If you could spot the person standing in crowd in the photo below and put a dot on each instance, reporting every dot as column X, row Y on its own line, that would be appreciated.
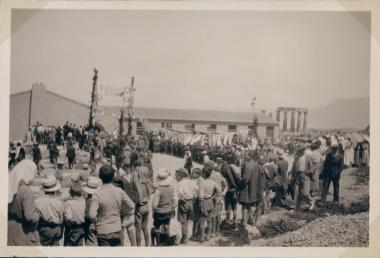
column 252, row 189
column 196, row 180
column 12, row 155
column 300, row 171
column 185, row 189
column 316, row 166
column 22, row 214
column 36, row 151
column 164, row 204
column 205, row 157
column 208, row 191
column 231, row 196
column 108, row 207
column 188, row 162
column 332, row 169
column 28, row 140
column 74, row 217
column 138, row 185
column 51, row 209
column 90, row 188
column 53, row 153
column 217, row 210
column 70, row 154
column 20, row 152
column 272, row 179
column 282, row 188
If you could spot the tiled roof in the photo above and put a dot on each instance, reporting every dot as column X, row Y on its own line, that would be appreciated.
column 193, row 115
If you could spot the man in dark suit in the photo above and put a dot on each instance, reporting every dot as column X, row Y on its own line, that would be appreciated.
column 252, row 188
column 332, row 168
column 282, row 188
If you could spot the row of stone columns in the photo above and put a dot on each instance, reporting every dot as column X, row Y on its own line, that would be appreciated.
column 294, row 127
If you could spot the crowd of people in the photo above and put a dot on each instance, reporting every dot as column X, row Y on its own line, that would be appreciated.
column 122, row 189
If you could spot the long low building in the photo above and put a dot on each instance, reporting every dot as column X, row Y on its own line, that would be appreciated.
column 40, row 105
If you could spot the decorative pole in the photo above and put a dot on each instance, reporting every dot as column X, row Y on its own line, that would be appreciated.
column 93, row 100
column 131, row 100
column 255, row 121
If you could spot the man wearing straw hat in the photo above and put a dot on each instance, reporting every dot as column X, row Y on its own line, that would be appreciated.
column 51, row 212
column 301, row 170
column 91, row 187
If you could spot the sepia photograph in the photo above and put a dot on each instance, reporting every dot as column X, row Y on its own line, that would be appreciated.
column 189, row 128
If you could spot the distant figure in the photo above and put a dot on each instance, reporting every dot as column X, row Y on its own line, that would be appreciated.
column 20, row 152
column 36, row 151
column 188, row 162
column 70, row 154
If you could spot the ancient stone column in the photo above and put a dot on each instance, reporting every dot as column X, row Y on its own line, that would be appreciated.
column 292, row 121
column 299, row 121
column 305, row 120
column 285, row 122
column 278, row 115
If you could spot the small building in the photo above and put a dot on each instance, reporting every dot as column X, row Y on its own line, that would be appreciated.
column 40, row 105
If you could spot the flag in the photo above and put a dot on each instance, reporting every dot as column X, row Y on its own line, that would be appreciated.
column 111, row 91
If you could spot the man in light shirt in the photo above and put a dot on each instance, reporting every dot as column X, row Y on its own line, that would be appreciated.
column 186, row 189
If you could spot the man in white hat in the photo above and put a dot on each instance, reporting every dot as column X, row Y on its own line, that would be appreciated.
column 164, row 204
column 91, row 187
column 51, row 211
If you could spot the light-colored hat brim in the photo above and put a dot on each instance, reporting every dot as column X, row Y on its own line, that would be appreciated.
column 52, row 189
column 90, row 190
column 164, row 182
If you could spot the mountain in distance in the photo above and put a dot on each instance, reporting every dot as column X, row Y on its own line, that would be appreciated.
column 341, row 114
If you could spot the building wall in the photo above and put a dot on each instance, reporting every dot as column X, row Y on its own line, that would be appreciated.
column 19, row 115
column 52, row 109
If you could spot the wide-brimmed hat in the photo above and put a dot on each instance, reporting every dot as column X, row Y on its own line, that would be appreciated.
column 91, row 185
column 163, row 178
column 50, row 184
column 280, row 152
column 76, row 189
column 85, row 166
column 204, row 152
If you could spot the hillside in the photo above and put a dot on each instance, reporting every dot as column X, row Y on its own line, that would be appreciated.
column 341, row 113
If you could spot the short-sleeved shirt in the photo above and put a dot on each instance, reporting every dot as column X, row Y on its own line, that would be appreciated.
column 75, row 210
column 107, row 207
column 51, row 209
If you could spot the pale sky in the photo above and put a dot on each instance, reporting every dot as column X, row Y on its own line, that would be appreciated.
column 195, row 59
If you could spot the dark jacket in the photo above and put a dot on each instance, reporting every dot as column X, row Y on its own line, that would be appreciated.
column 231, row 177
column 283, row 172
column 252, row 183
column 333, row 164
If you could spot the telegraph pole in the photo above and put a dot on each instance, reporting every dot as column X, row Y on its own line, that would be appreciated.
column 131, row 100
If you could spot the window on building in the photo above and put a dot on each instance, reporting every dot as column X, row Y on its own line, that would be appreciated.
column 232, row 128
column 189, row 127
column 211, row 127
column 270, row 131
column 139, row 125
